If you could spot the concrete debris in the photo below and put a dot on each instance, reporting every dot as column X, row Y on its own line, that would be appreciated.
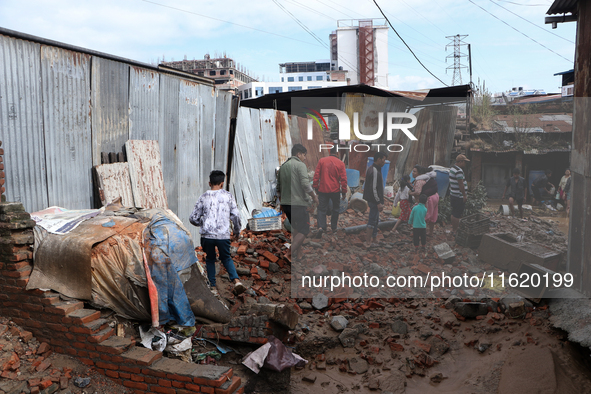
column 444, row 252
column 320, row 301
column 339, row 323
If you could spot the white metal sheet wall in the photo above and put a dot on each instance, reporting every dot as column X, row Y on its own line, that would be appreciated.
column 110, row 103
column 21, row 127
column 189, row 179
column 66, row 105
column 168, row 125
column 144, row 97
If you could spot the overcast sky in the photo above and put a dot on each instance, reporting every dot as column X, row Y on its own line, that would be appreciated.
column 260, row 34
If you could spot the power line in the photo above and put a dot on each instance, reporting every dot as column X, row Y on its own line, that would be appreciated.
column 303, row 26
column 519, row 31
column 231, row 23
column 421, row 63
column 525, row 5
column 530, row 22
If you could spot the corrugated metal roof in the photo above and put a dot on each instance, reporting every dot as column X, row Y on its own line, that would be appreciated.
column 532, row 123
column 66, row 105
column 565, row 72
column 562, row 7
column 21, row 123
column 538, row 99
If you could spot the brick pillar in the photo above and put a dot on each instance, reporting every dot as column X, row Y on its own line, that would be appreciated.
column 2, row 175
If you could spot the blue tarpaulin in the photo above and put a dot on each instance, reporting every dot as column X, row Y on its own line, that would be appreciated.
column 169, row 250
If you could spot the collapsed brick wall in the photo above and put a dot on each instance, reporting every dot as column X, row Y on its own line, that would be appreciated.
column 72, row 329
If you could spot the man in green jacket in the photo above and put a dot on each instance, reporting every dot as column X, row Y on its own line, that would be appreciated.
column 293, row 189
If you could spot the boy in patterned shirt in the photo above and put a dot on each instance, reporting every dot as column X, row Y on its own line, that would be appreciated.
column 213, row 212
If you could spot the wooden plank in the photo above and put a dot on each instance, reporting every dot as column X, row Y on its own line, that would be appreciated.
column 145, row 171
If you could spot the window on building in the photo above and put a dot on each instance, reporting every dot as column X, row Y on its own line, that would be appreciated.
column 200, row 73
column 245, row 92
column 294, row 88
column 282, row 79
column 328, row 78
column 258, row 91
column 319, row 77
column 249, row 92
column 314, row 87
column 222, row 72
column 231, row 72
column 290, row 79
column 309, row 78
column 212, row 72
column 275, row 89
column 300, row 79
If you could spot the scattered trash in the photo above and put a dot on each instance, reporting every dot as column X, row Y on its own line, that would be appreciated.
column 153, row 338
column 273, row 355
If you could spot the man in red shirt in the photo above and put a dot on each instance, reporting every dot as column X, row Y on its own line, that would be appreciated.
column 330, row 182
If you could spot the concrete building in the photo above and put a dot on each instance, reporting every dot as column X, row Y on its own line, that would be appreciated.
column 224, row 71
column 258, row 89
column 361, row 47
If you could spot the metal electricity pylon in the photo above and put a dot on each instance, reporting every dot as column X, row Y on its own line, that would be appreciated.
column 457, row 42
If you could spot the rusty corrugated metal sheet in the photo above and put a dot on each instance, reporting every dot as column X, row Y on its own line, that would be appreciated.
column 298, row 128
column 284, row 143
column 110, row 103
column 145, row 172
column 66, row 121
column 435, row 131
column 21, row 123
column 114, row 182
column 144, row 97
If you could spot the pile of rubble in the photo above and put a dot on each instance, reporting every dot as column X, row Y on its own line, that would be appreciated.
column 28, row 366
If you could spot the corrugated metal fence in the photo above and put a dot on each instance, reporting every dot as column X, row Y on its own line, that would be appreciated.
column 59, row 109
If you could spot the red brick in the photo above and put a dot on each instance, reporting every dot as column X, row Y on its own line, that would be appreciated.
column 193, row 387
column 45, row 384
column 113, row 367
column 164, row 383
column 236, row 381
column 207, row 382
column 142, row 356
column 150, row 380
column 178, row 385
column 396, row 347
column 101, row 336
column 125, row 375
column 86, row 361
column 135, row 385
column 164, row 390
column 64, row 308
column 137, row 378
column 208, row 390
column 35, row 390
column 112, row 374
column 270, row 256
column 182, row 378
column 132, row 369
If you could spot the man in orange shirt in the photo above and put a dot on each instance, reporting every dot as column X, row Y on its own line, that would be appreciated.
column 330, row 182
